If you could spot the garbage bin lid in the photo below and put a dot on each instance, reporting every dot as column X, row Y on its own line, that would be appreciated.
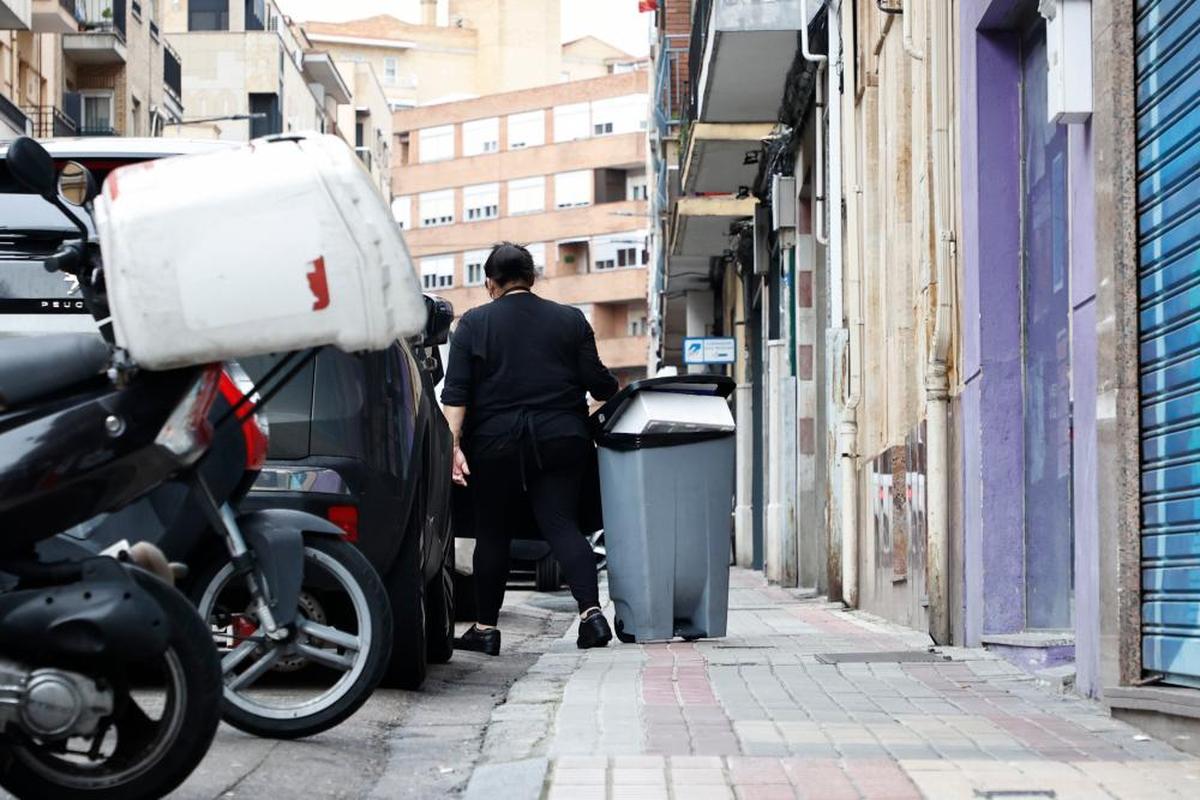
column 703, row 385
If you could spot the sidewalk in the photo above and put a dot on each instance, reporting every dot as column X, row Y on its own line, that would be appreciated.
column 760, row 715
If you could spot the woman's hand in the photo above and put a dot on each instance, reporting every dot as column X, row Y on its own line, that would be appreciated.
column 459, row 470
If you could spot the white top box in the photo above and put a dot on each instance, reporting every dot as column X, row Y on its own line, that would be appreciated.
column 672, row 412
column 277, row 246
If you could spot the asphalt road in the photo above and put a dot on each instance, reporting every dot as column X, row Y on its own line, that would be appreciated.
column 400, row 744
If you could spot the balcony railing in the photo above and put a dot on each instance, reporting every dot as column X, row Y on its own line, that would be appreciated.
column 98, row 130
column 13, row 115
column 172, row 71
column 670, row 84
column 104, row 16
column 702, row 16
column 364, row 153
column 51, row 121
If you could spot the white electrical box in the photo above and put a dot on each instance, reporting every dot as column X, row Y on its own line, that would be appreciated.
column 783, row 202
column 1069, row 59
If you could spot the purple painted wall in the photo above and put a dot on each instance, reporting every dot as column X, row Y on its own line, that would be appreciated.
column 1083, row 375
column 992, row 434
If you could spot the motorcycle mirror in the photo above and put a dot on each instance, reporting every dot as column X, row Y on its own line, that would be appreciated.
column 76, row 184
column 33, row 167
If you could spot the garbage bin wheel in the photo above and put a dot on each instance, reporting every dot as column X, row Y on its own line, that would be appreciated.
column 693, row 637
column 547, row 574
column 622, row 636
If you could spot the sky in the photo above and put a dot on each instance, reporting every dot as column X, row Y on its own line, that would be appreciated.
column 616, row 21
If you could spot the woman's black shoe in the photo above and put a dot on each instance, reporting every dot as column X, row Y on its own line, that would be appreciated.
column 480, row 641
column 594, row 631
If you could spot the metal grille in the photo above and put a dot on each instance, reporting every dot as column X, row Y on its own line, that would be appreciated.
column 1168, row 197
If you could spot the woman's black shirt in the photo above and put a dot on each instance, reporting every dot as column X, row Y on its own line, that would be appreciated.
column 521, row 365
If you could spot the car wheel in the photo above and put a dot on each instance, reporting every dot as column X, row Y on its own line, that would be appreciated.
column 406, row 589
column 548, row 575
column 439, row 611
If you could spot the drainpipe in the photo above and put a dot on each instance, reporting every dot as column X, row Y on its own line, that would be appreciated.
column 819, row 192
column 937, row 386
column 906, row 28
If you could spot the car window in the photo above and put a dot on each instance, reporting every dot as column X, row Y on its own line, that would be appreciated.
column 289, row 412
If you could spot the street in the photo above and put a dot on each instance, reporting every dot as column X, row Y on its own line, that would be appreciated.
column 759, row 714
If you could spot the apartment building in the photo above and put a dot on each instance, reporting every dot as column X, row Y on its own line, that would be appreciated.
column 88, row 68
column 560, row 169
column 252, row 73
column 468, row 48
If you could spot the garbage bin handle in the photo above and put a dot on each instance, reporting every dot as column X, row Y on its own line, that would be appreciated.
column 625, row 442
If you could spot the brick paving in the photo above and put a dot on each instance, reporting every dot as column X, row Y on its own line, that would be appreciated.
column 758, row 715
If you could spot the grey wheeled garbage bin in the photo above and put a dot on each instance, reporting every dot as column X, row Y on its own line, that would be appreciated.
column 667, row 483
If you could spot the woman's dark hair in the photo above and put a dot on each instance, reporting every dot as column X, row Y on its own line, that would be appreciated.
column 510, row 263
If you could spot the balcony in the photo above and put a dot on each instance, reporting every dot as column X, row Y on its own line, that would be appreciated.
column 670, row 85
column 13, row 117
column 15, row 15
column 723, row 158
column 319, row 69
column 51, row 122
column 364, row 155
column 102, row 40
column 56, row 16
column 702, row 224
column 173, row 76
column 740, row 55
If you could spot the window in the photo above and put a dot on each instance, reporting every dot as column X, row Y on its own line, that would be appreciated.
column 526, row 130
column 637, row 323
column 437, row 208
column 526, row 196
column 98, row 113
column 473, row 266
column 571, row 122
column 637, row 187
column 620, row 251
column 481, row 136
column 538, row 251
column 436, row 144
column 402, row 212
column 265, row 117
column 626, row 114
column 208, row 15
column 573, row 189
column 390, row 71
column 437, row 272
column 481, row 202
column 587, row 309
column 256, row 15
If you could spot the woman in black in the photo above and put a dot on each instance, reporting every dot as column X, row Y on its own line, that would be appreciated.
column 515, row 398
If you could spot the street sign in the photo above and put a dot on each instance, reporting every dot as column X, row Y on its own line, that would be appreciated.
column 709, row 350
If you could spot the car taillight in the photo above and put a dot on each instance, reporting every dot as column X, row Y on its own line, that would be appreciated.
column 255, row 431
column 346, row 518
column 188, row 432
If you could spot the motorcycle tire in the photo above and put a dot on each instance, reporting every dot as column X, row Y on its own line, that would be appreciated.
column 194, row 708
column 342, row 562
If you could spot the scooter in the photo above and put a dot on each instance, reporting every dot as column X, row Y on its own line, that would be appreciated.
column 282, row 591
column 109, row 682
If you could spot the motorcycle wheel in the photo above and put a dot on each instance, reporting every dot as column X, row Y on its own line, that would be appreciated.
column 165, row 717
column 329, row 666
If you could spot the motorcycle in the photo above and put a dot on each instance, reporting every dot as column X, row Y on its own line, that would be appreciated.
column 283, row 592
column 109, row 682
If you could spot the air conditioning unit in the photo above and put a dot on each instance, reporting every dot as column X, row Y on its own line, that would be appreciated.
column 783, row 202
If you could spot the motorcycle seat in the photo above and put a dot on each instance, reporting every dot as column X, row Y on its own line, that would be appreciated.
column 32, row 367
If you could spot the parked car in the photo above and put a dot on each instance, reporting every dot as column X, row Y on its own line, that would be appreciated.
column 358, row 439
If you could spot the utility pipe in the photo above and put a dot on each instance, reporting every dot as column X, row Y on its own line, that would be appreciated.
column 819, row 182
column 937, row 386
column 906, row 27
